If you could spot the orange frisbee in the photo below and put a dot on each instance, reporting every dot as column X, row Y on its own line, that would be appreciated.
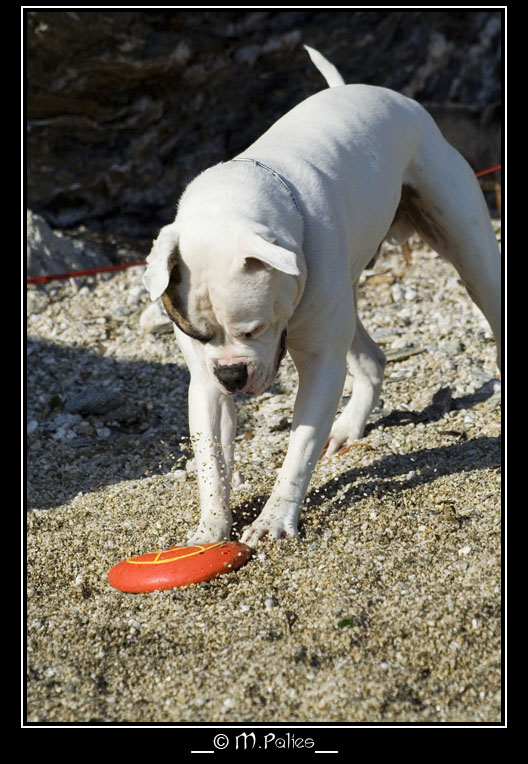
column 178, row 566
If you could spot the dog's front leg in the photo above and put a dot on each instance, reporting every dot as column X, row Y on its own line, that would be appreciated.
column 212, row 425
column 321, row 381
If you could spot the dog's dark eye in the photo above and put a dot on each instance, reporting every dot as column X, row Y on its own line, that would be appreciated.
column 254, row 332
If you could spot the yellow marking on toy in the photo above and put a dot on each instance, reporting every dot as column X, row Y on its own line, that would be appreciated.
column 157, row 561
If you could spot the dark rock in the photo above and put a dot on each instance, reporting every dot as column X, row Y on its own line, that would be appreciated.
column 126, row 107
column 49, row 252
column 94, row 400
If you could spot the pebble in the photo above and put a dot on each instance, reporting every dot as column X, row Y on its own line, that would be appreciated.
column 190, row 468
column 154, row 320
column 179, row 475
column 237, row 480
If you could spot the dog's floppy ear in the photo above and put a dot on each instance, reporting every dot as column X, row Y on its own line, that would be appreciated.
column 266, row 249
column 161, row 260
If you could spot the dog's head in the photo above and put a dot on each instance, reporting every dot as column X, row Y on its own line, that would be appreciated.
column 232, row 287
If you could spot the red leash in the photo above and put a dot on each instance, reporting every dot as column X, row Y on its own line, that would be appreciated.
column 89, row 272
column 490, row 169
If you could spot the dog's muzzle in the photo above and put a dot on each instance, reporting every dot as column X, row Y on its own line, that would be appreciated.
column 232, row 376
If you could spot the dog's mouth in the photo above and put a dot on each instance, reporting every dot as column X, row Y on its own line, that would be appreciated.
column 282, row 349
column 281, row 352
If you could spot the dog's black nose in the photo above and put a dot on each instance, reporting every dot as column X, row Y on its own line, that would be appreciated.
column 232, row 376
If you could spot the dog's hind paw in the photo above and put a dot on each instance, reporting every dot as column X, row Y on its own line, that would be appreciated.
column 338, row 448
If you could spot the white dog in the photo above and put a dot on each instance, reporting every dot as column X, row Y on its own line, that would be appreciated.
column 271, row 245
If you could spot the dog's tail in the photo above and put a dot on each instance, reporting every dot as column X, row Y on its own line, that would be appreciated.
column 328, row 70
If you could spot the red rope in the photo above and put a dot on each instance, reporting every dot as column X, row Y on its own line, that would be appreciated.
column 490, row 169
column 109, row 268
column 89, row 272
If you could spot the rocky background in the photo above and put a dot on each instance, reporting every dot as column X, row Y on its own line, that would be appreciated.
column 125, row 107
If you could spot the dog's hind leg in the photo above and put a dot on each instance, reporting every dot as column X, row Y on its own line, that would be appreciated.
column 366, row 363
column 443, row 201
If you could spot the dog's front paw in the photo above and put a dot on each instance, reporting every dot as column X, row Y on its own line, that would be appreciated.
column 209, row 531
column 275, row 526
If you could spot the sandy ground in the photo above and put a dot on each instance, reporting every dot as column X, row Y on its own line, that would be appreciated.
column 388, row 608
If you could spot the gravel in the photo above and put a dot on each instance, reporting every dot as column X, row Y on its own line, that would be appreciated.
column 388, row 609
